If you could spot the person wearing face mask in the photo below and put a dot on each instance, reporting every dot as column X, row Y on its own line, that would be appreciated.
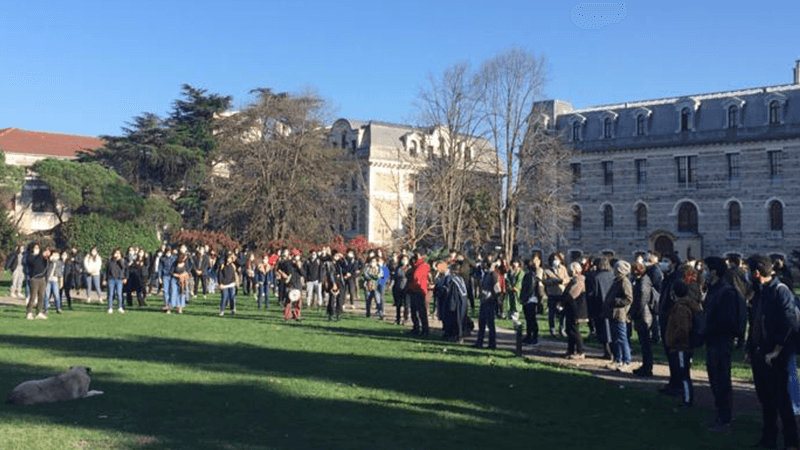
column 332, row 282
column 117, row 274
column 55, row 278
column 617, row 306
column 349, row 267
column 16, row 265
column 372, row 274
column 555, row 281
column 311, row 273
column 669, row 266
column 37, row 270
column 399, row 290
column 92, row 264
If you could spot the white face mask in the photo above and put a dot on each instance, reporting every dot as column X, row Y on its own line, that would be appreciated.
column 36, row 251
column 556, row 263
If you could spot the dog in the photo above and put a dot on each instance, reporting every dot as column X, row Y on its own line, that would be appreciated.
column 69, row 385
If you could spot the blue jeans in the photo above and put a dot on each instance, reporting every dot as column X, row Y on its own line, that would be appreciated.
column 620, row 346
column 115, row 290
column 177, row 299
column 90, row 281
column 263, row 294
column 794, row 384
column 52, row 288
column 167, row 282
column 378, row 302
column 228, row 298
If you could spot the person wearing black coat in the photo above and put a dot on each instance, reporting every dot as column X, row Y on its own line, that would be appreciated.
column 532, row 296
column 200, row 266
column 597, row 287
column 399, row 284
column 332, row 283
column 117, row 275
column 725, row 320
column 642, row 316
column 70, row 269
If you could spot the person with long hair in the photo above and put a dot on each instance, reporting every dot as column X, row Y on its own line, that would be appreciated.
column 227, row 284
column 116, row 272
column 180, row 288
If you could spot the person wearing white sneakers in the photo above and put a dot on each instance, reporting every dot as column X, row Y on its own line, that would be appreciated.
column 117, row 276
column 37, row 268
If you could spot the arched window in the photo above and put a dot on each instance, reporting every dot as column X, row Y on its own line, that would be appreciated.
column 608, row 218
column 687, row 218
column 576, row 132
column 576, row 219
column 733, row 116
column 607, row 127
column 775, row 112
column 640, row 125
column 775, row 216
column 685, row 118
column 641, row 217
column 734, row 219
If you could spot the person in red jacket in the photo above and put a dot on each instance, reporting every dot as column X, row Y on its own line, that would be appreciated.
column 417, row 290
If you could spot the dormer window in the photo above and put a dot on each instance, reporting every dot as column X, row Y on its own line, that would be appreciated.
column 412, row 150
column 607, row 127
column 608, row 119
column 733, row 112
column 686, row 110
column 686, row 117
column 577, row 122
column 641, row 115
column 776, row 102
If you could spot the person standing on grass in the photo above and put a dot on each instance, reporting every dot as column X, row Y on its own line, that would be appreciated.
column 372, row 275
column 642, row 317
column 417, row 290
column 200, row 265
column 513, row 287
column 15, row 263
column 93, row 264
column 181, row 274
column 227, row 284
column 166, row 266
column 491, row 289
column 677, row 337
column 311, row 273
column 451, row 293
column 670, row 265
column 617, row 305
column 533, row 296
column 116, row 273
column 769, row 347
column 575, row 311
column 656, row 275
column 55, row 278
column 70, row 278
column 399, row 290
column 37, row 270
column 332, row 282
column 294, row 301
column 555, row 281
column 262, row 282
column 350, row 270
column 725, row 320
column 597, row 288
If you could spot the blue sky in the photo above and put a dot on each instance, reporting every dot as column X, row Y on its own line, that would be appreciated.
column 85, row 67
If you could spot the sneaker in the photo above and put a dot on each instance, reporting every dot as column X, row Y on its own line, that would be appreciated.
column 563, row 333
column 42, row 316
column 58, row 311
column 222, row 313
column 576, row 356
column 29, row 316
column 121, row 311
column 626, row 368
column 553, row 332
column 110, row 311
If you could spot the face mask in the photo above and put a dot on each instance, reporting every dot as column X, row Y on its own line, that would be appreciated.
column 36, row 251
column 556, row 263
column 664, row 266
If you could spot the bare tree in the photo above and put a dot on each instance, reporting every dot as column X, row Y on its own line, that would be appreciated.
column 511, row 83
column 276, row 175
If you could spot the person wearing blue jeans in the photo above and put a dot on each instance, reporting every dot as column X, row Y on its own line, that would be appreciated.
column 618, row 303
column 116, row 275
column 166, row 265
column 92, row 264
column 227, row 284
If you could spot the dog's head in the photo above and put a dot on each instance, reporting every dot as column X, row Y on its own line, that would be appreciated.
column 87, row 369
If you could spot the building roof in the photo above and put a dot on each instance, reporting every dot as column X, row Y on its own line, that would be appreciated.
column 14, row 140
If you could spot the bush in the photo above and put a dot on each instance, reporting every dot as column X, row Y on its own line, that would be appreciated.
column 9, row 236
column 84, row 232
column 214, row 239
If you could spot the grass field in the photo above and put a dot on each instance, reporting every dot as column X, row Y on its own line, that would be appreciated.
column 250, row 381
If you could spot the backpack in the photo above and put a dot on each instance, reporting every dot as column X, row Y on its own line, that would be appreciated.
column 794, row 321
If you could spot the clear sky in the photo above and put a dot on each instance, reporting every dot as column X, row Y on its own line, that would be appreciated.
column 88, row 67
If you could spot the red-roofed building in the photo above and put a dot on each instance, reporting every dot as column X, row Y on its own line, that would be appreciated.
column 33, row 209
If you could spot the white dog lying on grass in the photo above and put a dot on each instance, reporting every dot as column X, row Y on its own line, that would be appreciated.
column 68, row 385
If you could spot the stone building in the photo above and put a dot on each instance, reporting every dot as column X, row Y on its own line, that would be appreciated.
column 389, row 157
column 703, row 174
column 33, row 209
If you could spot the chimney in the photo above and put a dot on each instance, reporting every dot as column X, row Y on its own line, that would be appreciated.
column 797, row 71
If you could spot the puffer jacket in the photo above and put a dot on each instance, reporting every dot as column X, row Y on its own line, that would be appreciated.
column 640, row 308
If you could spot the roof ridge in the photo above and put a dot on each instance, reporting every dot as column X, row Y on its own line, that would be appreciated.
column 51, row 132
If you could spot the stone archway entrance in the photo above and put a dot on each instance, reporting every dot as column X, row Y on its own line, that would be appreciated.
column 663, row 245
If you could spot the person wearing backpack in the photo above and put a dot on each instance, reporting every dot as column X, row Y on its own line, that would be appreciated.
column 770, row 345
column 726, row 316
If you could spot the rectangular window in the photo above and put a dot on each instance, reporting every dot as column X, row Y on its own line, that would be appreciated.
column 686, row 170
column 576, row 173
column 641, row 173
column 774, row 157
column 608, row 176
column 353, row 184
column 733, row 169
column 354, row 218
column 42, row 201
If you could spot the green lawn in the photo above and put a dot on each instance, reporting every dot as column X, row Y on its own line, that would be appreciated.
column 250, row 381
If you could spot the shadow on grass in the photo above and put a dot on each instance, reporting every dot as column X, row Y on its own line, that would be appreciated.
column 306, row 399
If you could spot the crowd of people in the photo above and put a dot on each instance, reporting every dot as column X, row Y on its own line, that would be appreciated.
column 717, row 303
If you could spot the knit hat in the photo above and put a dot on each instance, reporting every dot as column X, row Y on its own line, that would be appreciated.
column 622, row 268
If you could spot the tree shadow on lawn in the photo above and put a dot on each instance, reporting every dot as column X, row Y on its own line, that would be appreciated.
column 363, row 401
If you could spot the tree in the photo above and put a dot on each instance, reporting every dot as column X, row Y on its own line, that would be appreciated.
column 276, row 175
column 86, row 188
column 169, row 157
column 11, row 180
column 511, row 83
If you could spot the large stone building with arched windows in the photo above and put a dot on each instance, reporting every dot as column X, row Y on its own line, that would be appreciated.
column 698, row 175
